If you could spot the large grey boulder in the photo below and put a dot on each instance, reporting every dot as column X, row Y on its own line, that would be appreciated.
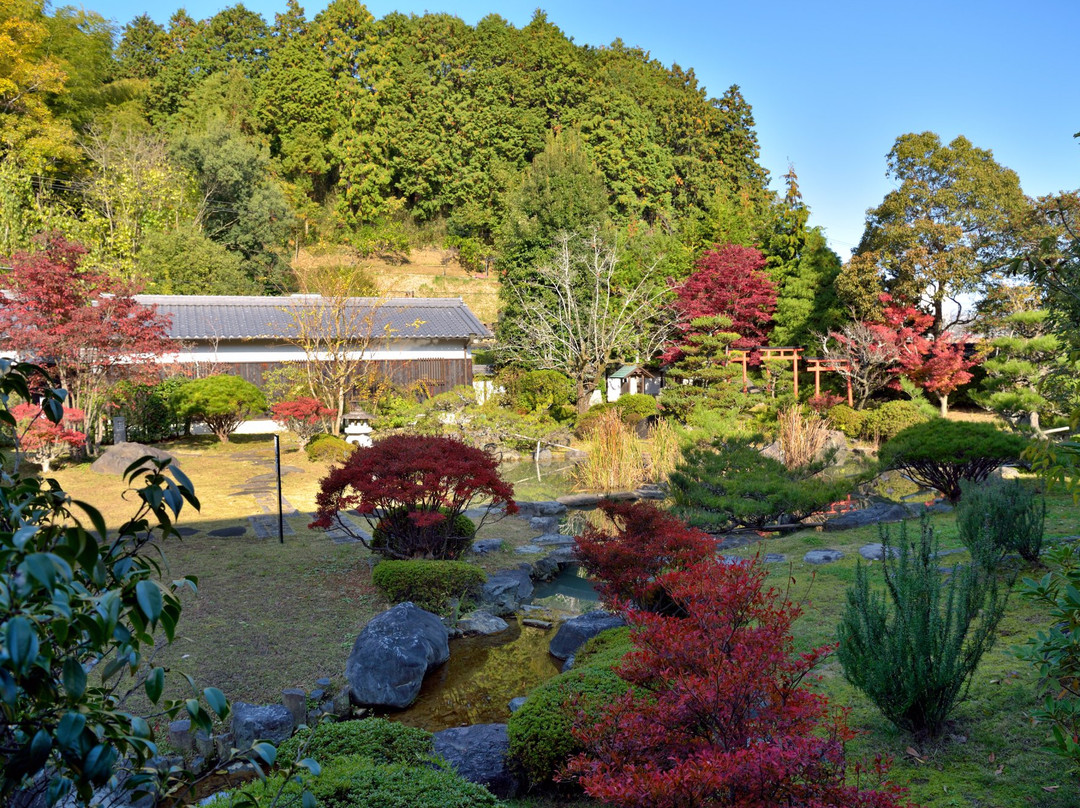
column 505, row 591
column 482, row 623
column 393, row 653
column 115, row 459
column 574, row 632
column 255, row 722
column 540, row 508
column 479, row 754
column 875, row 514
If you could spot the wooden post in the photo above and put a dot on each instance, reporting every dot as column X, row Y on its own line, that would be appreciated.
column 795, row 367
column 817, row 379
column 850, row 397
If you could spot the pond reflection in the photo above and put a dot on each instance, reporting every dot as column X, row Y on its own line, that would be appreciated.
column 482, row 675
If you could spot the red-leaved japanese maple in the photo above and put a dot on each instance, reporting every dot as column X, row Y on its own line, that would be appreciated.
column 719, row 712
column 939, row 365
column 727, row 281
column 83, row 325
column 643, row 542
column 305, row 417
column 412, row 489
column 42, row 440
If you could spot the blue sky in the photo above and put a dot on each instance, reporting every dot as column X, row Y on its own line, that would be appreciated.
column 832, row 84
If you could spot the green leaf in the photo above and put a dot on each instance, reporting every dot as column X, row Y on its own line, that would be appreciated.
column 308, row 799
column 148, row 595
column 74, row 678
column 59, row 788
column 23, row 535
column 140, row 728
column 69, row 730
column 40, row 567
column 311, row 765
column 22, row 644
column 217, row 701
column 155, row 684
column 266, row 752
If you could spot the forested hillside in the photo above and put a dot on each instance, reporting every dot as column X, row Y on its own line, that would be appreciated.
column 204, row 156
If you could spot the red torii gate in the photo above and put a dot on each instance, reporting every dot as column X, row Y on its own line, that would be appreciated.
column 815, row 364
column 742, row 357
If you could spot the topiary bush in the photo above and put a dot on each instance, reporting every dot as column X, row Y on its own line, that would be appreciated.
column 890, row 419
column 541, row 732
column 539, row 390
column 940, row 454
column 636, row 406
column 220, row 402
column 430, row 585
column 328, row 449
column 913, row 647
column 359, row 782
column 1000, row 517
column 847, row 420
column 377, row 739
column 732, row 484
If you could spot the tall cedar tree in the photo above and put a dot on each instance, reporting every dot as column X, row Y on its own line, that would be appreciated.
column 718, row 713
column 728, row 281
column 85, row 326
column 950, row 220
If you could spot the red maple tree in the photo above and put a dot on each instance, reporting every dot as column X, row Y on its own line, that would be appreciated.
column 937, row 364
column 628, row 558
column 41, row 439
column 412, row 489
column 305, row 417
column 82, row 325
column 727, row 281
column 719, row 712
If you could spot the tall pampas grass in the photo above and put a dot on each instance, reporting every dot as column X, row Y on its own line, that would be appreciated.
column 802, row 437
column 615, row 461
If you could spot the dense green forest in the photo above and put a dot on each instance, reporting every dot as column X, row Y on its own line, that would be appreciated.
column 202, row 155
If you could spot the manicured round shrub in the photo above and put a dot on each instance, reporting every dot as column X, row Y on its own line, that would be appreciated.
column 890, row 419
column 539, row 390
column 377, row 739
column 635, row 406
column 541, row 732
column 328, row 449
column 359, row 782
column 847, row 420
column 429, row 584
column 220, row 402
column 940, row 453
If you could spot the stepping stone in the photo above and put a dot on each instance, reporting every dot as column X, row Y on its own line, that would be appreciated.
column 822, row 556
column 269, row 503
column 774, row 558
column 228, row 532
column 187, row 531
column 876, row 552
column 528, row 549
column 555, row 540
column 485, row 546
column 265, row 526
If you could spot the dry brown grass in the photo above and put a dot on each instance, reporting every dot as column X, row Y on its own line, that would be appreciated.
column 615, row 461
column 666, row 452
column 802, row 437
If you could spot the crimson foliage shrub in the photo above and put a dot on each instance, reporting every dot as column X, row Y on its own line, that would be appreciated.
column 644, row 542
column 413, row 489
column 717, row 712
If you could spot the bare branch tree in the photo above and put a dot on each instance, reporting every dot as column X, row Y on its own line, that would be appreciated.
column 868, row 360
column 577, row 315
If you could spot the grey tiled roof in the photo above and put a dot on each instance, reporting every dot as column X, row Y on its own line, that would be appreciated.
column 199, row 317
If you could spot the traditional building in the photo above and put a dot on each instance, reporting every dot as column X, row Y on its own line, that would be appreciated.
column 425, row 340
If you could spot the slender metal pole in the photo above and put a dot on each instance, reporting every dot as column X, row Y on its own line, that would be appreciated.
column 277, row 468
